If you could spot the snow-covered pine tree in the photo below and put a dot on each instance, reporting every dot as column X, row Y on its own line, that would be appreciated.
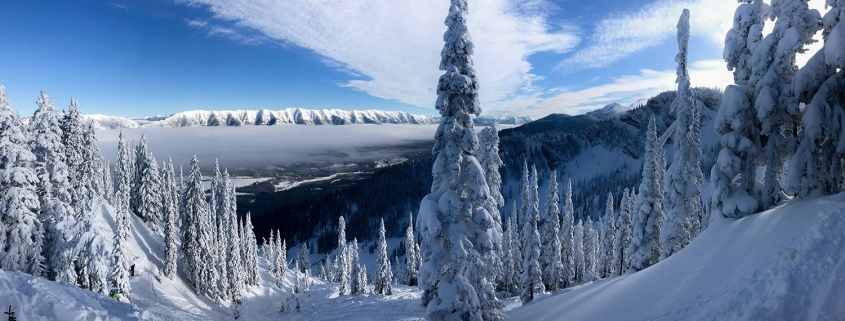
column 384, row 279
column 365, row 284
column 525, row 195
column 772, row 75
column 108, row 181
column 736, row 120
column 509, row 280
column 92, row 253
column 269, row 253
column 357, row 285
column 816, row 167
column 119, row 277
column 648, row 218
column 220, row 211
column 19, row 204
column 624, row 233
column 235, row 265
column 411, row 255
column 342, row 261
column 459, row 189
column 491, row 163
column 74, row 148
column 197, row 234
column 149, row 193
column 94, row 184
column 608, row 237
column 303, row 260
column 515, row 247
column 55, row 198
column 138, row 168
column 683, row 179
column 550, row 258
column 567, row 238
column 281, row 261
column 590, row 250
column 171, row 214
column 532, row 280
column 578, row 252
column 250, row 249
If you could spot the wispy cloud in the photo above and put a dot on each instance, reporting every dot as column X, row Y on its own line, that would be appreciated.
column 226, row 32
column 622, row 35
column 624, row 89
column 396, row 45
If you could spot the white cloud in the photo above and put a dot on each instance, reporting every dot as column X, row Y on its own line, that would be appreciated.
column 624, row 90
column 622, row 35
column 396, row 44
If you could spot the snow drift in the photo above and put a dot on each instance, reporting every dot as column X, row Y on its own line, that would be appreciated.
column 787, row 263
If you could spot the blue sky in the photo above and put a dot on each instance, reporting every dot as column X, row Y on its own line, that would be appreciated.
column 534, row 57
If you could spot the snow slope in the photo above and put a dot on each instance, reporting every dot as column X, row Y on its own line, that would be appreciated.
column 787, row 263
column 157, row 298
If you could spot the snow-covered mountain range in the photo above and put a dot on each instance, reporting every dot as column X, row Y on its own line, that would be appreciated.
column 296, row 116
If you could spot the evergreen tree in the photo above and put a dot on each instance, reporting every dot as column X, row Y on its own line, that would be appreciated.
column 91, row 171
column 491, row 163
column 816, row 166
column 454, row 225
column 19, row 204
column 737, row 121
column 384, row 279
column 149, row 193
column 342, row 261
column 55, row 198
column 170, row 210
column 624, row 233
column 645, row 247
column 516, row 247
column 235, row 265
column 551, row 258
column 683, row 180
column 250, row 252
column 411, row 255
column 139, row 167
column 357, row 285
column 510, row 280
column 74, row 146
column 197, row 234
column 568, row 237
column 220, row 211
column 772, row 81
column 303, row 260
column 532, row 282
column 608, row 237
column 590, row 250
column 281, row 262
column 578, row 252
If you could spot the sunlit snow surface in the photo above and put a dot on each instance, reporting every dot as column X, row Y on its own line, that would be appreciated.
column 784, row 264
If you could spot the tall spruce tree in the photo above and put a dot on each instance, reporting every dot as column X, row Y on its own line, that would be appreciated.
column 645, row 247
column 624, row 232
column 608, row 239
column 736, row 120
column 411, row 255
column 384, row 278
column 551, row 253
column 19, row 204
column 683, row 179
column 816, row 166
column 772, row 76
column 455, row 225
column 567, row 238
column 57, row 214
column 171, row 214
column 73, row 140
column 342, row 261
column 578, row 252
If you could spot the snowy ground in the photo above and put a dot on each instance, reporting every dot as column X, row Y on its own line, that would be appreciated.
column 784, row 264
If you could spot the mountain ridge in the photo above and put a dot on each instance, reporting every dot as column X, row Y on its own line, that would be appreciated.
column 295, row 116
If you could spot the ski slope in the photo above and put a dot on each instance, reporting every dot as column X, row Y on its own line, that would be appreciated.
column 787, row 263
